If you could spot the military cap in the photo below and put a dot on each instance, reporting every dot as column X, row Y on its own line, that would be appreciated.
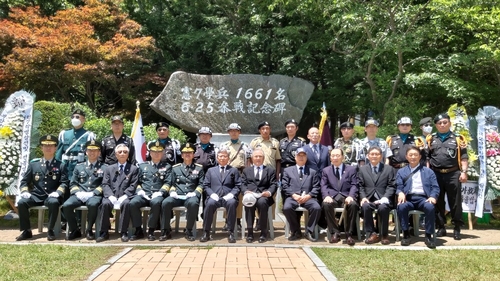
column 188, row 147
column 300, row 150
column 425, row 120
column 116, row 118
column 441, row 116
column 161, row 125
column 234, row 126
column 404, row 120
column 204, row 130
column 371, row 121
column 262, row 124
column 79, row 112
column 49, row 139
column 93, row 144
column 346, row 125
column 156, row 146
column 291, row 121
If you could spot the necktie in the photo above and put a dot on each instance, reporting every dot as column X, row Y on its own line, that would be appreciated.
column 301, row 174
column 91, row 166
column 316, row 150
column 257, row 174
column 222, row 170
column 121, row 168
column 47, row 164
column 375, row 170
column 337, row 174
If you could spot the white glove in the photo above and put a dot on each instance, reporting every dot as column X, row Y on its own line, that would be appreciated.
column 122, row 198
column 174, row 195
column 113, row 200
column 257, row 195
column 141, row 193
column 25, row 195
column 117, row 205
column 156, row 194
column 228, row 196
column 89, row 194
column 214, row 196
column 54, row 194
column 190, row 194
column 80, row 195
column 384, row 200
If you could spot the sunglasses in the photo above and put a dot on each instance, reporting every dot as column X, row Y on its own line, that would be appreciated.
column 122, row 152
column 427, row 125
column 75, row 117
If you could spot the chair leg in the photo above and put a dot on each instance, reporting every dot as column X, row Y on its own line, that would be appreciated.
column 214, row 222
column 270, row 222
column 40, row 220
column 177, row 220
column 84, row 221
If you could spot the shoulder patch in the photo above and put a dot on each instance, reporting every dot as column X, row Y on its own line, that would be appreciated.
column 35, row 160
column 301, row 138
column 199, row 165
column 176, row 165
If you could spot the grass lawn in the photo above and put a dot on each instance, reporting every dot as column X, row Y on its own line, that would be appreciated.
column 51, row 262
column 350, row 264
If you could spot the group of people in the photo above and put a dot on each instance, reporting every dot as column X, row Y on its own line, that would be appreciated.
column 404, row 171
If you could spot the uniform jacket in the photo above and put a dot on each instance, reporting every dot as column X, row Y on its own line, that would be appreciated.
column 313, row 162
column 292, row 184
column 267, row 181
column 109, row 144
column 206, row 157
column 270, row 148
column 118, row 184
column 86, row 179
column 154, row 178
column 172, row 153
column 187, row 178
column 41, row 180
column 229, row 183
column 428, row 177
column 375, row 186
column 70, row 157
column 347, row 186
column 288, row 148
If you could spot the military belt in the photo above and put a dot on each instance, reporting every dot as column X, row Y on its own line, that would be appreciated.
column 69, row 158
column 446, row 171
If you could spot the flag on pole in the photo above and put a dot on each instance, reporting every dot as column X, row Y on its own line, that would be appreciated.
column 324, row 128
column 138, row 136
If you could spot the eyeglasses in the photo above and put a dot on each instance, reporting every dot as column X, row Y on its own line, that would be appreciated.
column 162, row 129
column 75, row 117
column 443, row 123
column 427, row 125
column 122, row 152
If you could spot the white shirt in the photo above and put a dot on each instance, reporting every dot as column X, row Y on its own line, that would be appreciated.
column 416, row 183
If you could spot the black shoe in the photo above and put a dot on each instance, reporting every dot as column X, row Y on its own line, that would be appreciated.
column 310, row 237
column 231, row 238
column 441, row 232
column 124, row 237
column 406, row 241
column 51, row 236
column 102, row 237
column 429, row 242
column 165, row 235
column 90, row 235
column 294, row 236
column 262, row 238
column 26, row 234
column 205, row 237
column 137, row 235
column 74, row 234
column 249, row 238
column 456, row 234
column 189, row 235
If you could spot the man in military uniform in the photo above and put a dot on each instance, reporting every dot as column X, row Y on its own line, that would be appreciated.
column 447, row 156
column 117, row 137
column 426, row 128
column 186, row 189
column 399, row 143
column 269, row 145
column 351, row 146
column 371, row 129
column 205, row 150
column 43, row 183
column 85, row 188
column 290, row 144
column 172, row 153
column 154, row 183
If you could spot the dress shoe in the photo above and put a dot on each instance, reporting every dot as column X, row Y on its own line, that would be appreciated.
column 294, row 236
column 26, row 234
column 230, row 238
column 124, row 237
column 137, row 235
column 205, row 237
column 349, row 241
column 335, row 238
column 151, row 234
column 429, row 242
column 385, row 240
column 249, row 238
column 165, row 235
column 456, row 234
column 74, row 234
column 189, row 235
column 374, row 238
column 310, row 237
column 441, row 232
column 406, row 241
column 50, row 235
column 262, row 239
column 102, row 237
column 90, row 235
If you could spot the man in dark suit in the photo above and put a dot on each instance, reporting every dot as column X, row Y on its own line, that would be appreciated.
column 43, row 183
column 301, row 186
column 119, row 184
column 417, row 189
column 339, row 188
column 376, row 190
column 317, row 154
column 222, row 186
column 260, row 181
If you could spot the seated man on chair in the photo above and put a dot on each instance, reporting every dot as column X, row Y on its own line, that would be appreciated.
column 301, row 186
column 339, row 188
column 222, row 186
column 85, row 189
column 154, row 182
column 417, row 189
column 259, row 181
column 43, row 183
column 185, row 190
column 377, row 184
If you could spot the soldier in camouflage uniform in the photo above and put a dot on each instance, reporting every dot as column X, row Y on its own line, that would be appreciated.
column 185, row 190
column 371, row 129
column 172, row 153
column 43, row 183
column 351, row 146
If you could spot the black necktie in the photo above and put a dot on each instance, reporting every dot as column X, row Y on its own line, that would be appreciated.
column 121, row 168
column 337, row 174
column 91, row 166
column 301, row 174
column 257, row 175
column 375, row 170
column 222, row 169
column 47, row 164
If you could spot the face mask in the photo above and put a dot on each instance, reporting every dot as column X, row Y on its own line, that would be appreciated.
column 427, row 130
column 76, row 122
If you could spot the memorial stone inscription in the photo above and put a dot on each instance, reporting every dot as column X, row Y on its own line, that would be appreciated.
column 192, row 101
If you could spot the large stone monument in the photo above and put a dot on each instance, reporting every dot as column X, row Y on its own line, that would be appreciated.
column 192, row 101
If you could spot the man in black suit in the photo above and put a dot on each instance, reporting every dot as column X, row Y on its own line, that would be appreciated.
column 119, row 184
column 339, row 188
column 222, row 186
column 376, row 190
column 260, row 181
column 317, row 154
column 301, row 186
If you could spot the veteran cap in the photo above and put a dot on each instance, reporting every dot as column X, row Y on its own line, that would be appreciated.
column 161, row 125
column 291, row 121
column 79, row 112
column 262, row 124
column 300, row 150
column 441, row 116
column 425, row 120
column 116, row 118
column 204, row 130
column 234, row 126
column 156, row 146
column 49, row 139
column 371, row 121
column 93, row 144
column 404, row 120
column 346, row 125
column 249, row 200
column 188, row 147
